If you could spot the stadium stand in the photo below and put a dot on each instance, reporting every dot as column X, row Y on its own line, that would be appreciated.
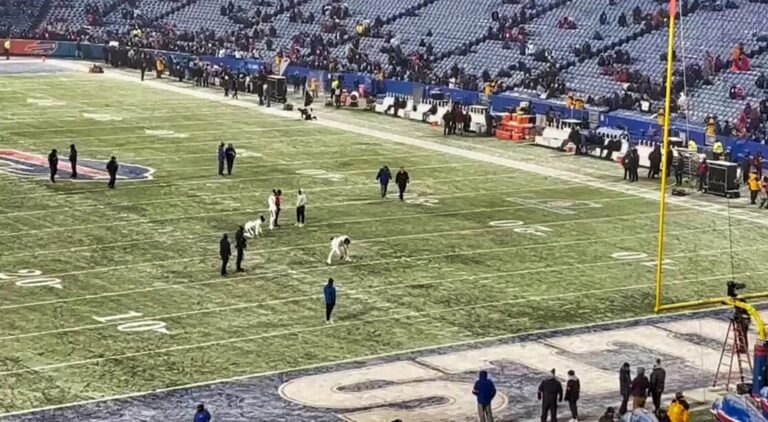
column 609, row 53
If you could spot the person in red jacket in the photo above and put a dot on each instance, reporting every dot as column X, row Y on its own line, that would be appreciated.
column 702, row 172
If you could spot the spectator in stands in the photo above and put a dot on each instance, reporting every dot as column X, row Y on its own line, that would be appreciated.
column 603, row 18
column 625, row 377
column 622, row 21
column 761, row 81
column 202, row 414
column 678, row 410
column 485, row 391
column 637, row 15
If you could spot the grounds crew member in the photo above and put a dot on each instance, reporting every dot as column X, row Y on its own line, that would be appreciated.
column 329, row 292
column 112, row 168
column 485, row 391
column 230, row 154
column 401, row 180
column 754, row 187
column 73, row 161
column 692, row 147
column 717, row 150
column 678, row 410
column 572, row 390
column 225, row 252
column 7, row 48
column 658, row 378
column 550, row 392
column 240, row 246
column 384, row 176
column 53, row 164
column 222, row 156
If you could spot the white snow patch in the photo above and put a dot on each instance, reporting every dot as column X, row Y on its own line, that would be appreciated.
column 101, row 117
column 165, row 133
column 45, row 102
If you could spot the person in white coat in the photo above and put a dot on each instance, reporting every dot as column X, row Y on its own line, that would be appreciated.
column 340, row 248
column 272, row 204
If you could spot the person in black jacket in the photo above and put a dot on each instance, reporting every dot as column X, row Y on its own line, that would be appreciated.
column 73, row 161
column 658, row 379
column 655, row 159
column 550, row 392
column 625, row 379
column 222, row 157
column 112, row 168
column 53, row 164
column 401, row 180
column 225, row 252
column 240, row 245
column 572, row 390
column 639, row 389
column 634, row 165
column 230, row 154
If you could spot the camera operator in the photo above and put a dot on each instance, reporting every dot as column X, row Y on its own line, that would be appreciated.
column 741, row 317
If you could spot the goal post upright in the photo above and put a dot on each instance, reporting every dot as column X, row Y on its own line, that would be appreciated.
column 665, row 149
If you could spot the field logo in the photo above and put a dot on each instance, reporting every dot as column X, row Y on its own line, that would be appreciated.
column 24, row 164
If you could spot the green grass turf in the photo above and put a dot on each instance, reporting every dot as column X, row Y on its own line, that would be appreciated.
column 422, row 275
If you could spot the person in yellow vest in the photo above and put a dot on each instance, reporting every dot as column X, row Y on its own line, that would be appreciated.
column 7, row 48
column 754, row 188
column 569, row 101
column 678, row 410
column 488, row 89
column 717, row 150
column 579, row 104
column 660, row 117
column 336, row 92
column 692, row 147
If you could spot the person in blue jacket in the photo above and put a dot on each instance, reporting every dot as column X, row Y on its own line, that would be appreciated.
column 384, row 176
column 485, row 392
column 330, row 300
column 222, row 156
column 202, row 415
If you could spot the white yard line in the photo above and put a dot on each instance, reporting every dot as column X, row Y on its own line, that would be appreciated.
column 323, row 223
column 486, row 278
column 251, row 211
column 216, row 179
column 310, row 269
column 43, row 368
column 372, row 185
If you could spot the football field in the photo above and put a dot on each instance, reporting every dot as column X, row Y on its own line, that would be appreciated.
column 112, row 292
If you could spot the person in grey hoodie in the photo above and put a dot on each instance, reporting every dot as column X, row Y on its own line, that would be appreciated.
column 572, row 389
column 625, row 379
column 658, row 378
